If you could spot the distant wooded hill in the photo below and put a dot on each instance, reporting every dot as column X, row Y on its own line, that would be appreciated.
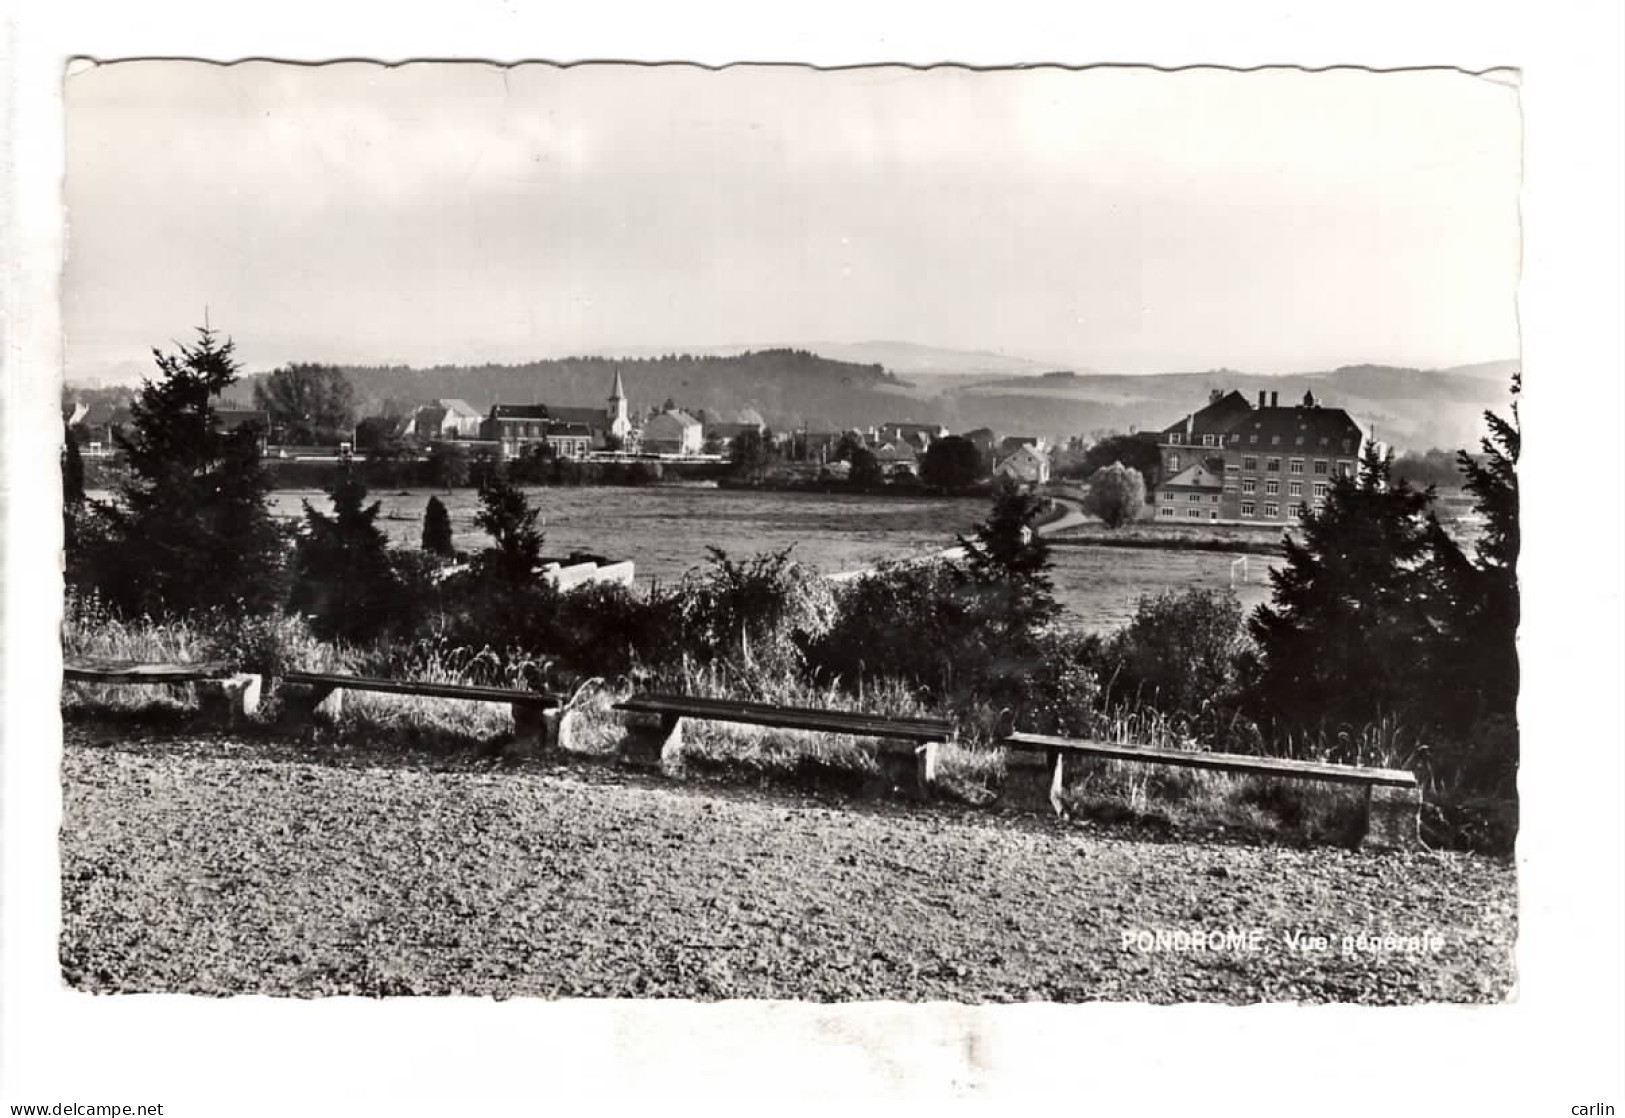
column 787, row 386
column 1413, row 409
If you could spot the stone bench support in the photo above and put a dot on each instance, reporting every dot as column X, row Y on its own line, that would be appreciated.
column 651, row 741
column 1393, row 819
column 910, row 769
column 1033, row 781
column 232, row 699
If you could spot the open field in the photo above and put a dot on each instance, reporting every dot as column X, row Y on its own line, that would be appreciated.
column 665, row 531
column 214, row 864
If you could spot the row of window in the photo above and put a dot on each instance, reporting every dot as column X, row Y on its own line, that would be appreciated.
column 1272, row 510
column 1321, row 467
column 1175, row 438
column 1271, row 486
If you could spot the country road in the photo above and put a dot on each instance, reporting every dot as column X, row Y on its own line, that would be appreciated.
column 217, row 865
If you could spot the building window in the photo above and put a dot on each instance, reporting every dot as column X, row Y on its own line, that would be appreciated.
column 1345, row 469
column 1175, row 438
column 1253, row 439
column 1173, row 463
column 1296, row 465
column 1232, row 468
column 1166, row 511
column 1193, row 514
column 1320, row 466
column 1271, row 509
column 1249, row 485
column 1295, row 489
column 1275, row 440
column 1214, row 515
column 1272, row 465
column 1324, row 440
column 1250, row 462
column 1247, row 508
column 1195, row 497
column 1235, row 438
column 1300, row 510
column 1345, row 446
column 1272, row 486
column 1320, row 489
column 1229, row 487
column 1214, row 498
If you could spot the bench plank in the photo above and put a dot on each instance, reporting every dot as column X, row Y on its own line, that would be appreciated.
column 430, row 690
column 1226, row 762
column 921, row 730
column 90, row 670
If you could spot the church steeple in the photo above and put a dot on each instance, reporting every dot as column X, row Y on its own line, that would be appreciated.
column 620, row 425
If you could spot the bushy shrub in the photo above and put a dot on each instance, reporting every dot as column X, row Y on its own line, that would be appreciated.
column 1180, row 652
column 1116, row 495
column 762, row 613
column 917, row 622
column 607, row 629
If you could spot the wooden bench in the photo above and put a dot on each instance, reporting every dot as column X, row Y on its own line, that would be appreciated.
column 221, row 691
column 535, row 713
column 1037, row 763
column 908, row 746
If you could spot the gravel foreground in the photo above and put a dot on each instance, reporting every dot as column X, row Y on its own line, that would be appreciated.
column 211, row 865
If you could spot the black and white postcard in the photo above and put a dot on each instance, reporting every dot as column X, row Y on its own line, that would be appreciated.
column 645, row 558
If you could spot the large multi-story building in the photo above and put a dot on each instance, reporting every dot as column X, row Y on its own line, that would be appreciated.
column 1234, row 463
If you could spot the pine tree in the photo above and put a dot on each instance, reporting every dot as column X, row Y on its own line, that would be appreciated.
column 437, row 529
column 506, row 516
column 1483, row 677
column 190, row 529
column 1356, row 629
column 344, row 580
column 1009, row 562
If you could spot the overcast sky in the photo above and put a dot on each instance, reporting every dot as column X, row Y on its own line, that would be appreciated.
column 1119, row 219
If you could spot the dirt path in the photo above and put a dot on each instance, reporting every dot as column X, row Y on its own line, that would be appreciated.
column 216, row 866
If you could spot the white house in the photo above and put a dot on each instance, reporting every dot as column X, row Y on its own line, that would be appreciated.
column 673, row 432
column 1026, row 464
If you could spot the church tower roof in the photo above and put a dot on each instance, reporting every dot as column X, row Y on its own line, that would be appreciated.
column 619, row 391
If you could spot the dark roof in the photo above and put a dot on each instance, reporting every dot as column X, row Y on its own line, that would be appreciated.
column 430, row 413
column 1215, row 419
column 587, row 417
column 730, row 430
column 520, row 411
column 570, row 430
column 1289, row 425
column 1013, row 443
